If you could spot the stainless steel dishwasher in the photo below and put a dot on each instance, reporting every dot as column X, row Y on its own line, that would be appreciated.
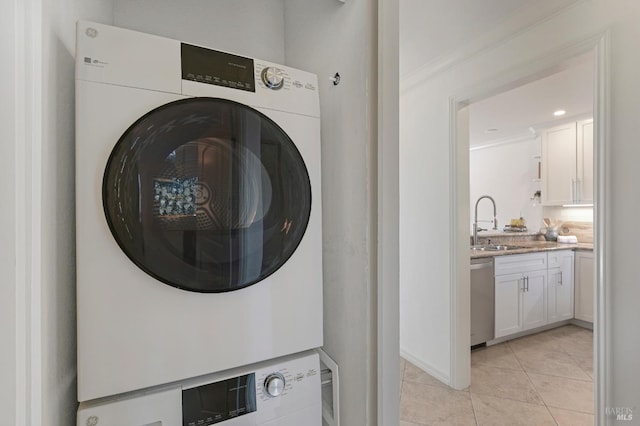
column 482, row 301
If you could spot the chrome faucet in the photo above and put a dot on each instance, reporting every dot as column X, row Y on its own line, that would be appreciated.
column 475, row 219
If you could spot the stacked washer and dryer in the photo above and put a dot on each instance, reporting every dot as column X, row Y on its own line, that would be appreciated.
column 199, row 241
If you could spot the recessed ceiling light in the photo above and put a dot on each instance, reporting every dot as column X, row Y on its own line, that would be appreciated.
column 559, row 112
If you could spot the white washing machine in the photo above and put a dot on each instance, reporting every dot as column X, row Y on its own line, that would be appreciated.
column 198, row 211
column 285, row 392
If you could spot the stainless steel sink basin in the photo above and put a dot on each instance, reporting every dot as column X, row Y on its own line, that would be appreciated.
column 494, row 247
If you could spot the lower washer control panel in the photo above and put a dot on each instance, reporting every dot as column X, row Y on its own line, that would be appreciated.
column 283, row 392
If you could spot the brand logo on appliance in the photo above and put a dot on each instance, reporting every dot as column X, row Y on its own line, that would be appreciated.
column 92, row 421
column 94, row 62
column 91, row 32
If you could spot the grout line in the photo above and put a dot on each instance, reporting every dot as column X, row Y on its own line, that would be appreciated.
column 473, row 408
column 573, row 411
column 551, row 414
column 529, row 378
column 585, row 371
column 561, row 377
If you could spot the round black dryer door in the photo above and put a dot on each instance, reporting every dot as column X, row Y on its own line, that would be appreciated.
column 207, row 195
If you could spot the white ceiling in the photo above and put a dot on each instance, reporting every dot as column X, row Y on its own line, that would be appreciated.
column 533, row 104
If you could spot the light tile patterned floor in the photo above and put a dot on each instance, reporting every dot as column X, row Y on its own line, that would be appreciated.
column 542, row 379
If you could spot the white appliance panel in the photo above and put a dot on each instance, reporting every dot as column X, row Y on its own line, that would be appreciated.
column 135, row 332
column 299, row 404
column 128, row 58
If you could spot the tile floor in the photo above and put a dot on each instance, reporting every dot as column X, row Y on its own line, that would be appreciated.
column 542, row 379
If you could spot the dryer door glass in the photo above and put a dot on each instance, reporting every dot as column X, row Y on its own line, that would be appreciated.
column 207, row 195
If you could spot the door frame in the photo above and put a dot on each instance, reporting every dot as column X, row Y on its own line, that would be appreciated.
column 459, row 205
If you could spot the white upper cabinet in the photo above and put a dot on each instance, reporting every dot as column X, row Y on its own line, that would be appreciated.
column 567, row 164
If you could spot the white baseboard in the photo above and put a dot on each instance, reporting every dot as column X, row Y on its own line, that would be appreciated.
column 580, row 323
column 426, row 367
column 528, row 332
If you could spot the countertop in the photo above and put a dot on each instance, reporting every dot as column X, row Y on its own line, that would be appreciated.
column 531, row 247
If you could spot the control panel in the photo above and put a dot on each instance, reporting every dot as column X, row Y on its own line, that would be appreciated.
column 283, row 392
column 218, row 68
column 274, row 384
column 272, row 77
column 219, row 401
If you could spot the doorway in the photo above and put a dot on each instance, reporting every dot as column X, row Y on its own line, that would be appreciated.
column 538, row 350
column 460, row 333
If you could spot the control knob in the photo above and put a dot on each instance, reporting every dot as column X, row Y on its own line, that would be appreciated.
column 274, row 384
column 273, row 78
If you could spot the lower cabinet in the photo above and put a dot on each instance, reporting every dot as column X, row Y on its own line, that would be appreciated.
column 584, row 286
column 520, row 302
column 560, row 286
column 535, row 289
column 520, row 297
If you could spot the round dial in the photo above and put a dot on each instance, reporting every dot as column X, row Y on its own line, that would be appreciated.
column 274, row 384
column 272, row 77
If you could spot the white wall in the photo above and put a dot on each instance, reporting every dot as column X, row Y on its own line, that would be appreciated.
column 325, row 37
column 425, row 221
column 245, row 27
column 8, row 93
column 426, row 182
column 38, row 302
column 58, row 203
column 506, row 172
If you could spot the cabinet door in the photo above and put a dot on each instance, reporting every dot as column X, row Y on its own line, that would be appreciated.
column 508, row 299
column 559, row 165
column 584, row 166
column 584, row 286
column 534, row 305
column 560, row 286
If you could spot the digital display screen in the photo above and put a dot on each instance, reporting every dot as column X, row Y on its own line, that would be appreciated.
column 218, row 68
column 216, row 402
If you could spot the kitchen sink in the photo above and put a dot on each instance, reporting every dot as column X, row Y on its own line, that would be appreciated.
column 495, row 247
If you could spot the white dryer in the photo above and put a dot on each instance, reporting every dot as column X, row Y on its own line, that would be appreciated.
column 199, row 241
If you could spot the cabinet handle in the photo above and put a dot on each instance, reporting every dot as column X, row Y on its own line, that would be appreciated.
column 573, row 190
column 578, row 190
column 527, row 283
column 560, row 274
